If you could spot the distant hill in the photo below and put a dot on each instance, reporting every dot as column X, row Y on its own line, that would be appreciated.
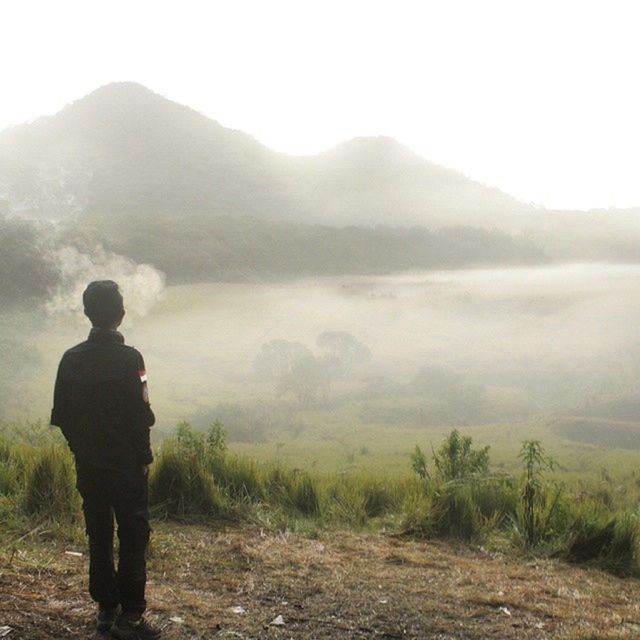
column 376, row 180
column 126, row 150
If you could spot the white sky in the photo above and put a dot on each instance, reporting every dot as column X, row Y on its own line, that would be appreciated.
column 540, row 98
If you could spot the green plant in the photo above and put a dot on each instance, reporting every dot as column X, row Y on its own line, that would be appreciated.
column 416, row 516
column 609, row 542
column 182, row 486
column 378, row 498
column 537, row 511
column 50, row 486
column 190, row 442
column 457, row 459
column 216, row 440
column 419, row 463
column 239, row 477
column 305, row 496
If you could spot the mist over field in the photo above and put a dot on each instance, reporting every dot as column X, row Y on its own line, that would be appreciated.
column 417, row 350
column 363, row 291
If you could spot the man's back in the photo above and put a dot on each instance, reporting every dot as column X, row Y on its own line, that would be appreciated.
column 101, row 402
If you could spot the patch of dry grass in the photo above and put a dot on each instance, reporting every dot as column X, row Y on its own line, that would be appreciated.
column 342, row 585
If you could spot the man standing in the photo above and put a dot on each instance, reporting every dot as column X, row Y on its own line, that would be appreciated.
column 101, row 403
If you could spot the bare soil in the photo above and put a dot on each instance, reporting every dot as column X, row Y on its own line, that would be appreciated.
column 342, row 585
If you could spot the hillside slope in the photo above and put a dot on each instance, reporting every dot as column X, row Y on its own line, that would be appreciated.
column 124, row 149
column 342, row 585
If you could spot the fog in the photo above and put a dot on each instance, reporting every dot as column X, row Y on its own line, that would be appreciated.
column 440, row 347
column 141, row 284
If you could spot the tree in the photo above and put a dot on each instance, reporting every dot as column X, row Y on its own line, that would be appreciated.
column 277, row 359
column 307, row 378
column 343, row 349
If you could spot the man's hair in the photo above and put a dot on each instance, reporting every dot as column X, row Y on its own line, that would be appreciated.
column 103, row 303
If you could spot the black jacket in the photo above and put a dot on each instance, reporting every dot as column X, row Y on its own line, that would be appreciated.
column 101, row 403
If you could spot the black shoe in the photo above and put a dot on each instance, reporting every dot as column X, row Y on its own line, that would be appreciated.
column 106, row 617
column 132, row 626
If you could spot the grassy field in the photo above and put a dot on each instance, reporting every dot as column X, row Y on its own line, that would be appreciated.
column 360, row 546
column 512, row 364
column 338, row 441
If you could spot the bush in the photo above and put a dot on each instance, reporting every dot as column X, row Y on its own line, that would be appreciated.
column 497, row 498
column 417, row 514
column 50, row 486
column 345, row 504
column 378, row 498
column 240, row 478
column 457, row 459
column 456, row 513
column 305, row 496
column 9, row 478
column 181, row 486
column 12, row 467
column 610, row 543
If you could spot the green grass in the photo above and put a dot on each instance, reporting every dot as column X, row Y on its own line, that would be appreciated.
column 589, row 519
column 49, row 491
column 181, row 486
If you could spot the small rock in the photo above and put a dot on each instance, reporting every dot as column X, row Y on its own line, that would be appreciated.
column 278, row 621
column 238, row 610
column 177, row 619
column 505, row 610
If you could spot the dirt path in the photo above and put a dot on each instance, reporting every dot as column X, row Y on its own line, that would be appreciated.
column 343, row 585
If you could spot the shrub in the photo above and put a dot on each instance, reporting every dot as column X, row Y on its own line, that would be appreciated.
column 50, row 486
column 182, row 486
column 12, row 467
column 497, row 498
column 417, row 514
column 344, row 503
column 457, row 459
column 278, row 483
column 610, row 543
column 9, row 478
column 305, row 496
column 378, row 498
column 538, row 505
column 240, row 478
column 455, row 513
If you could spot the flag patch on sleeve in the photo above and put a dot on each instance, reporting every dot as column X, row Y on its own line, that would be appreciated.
column 143, row 376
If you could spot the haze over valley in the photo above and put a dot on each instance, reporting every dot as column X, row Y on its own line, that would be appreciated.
column 364, row 280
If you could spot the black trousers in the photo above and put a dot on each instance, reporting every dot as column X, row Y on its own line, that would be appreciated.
column 107, row 493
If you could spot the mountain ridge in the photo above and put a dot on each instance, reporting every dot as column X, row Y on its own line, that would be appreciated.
column 126, row 149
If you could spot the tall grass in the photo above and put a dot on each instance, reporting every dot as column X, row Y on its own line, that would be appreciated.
column 50, row 486
column 465, row 509
column 456, row 496
column 181, row 486
column 605, row 541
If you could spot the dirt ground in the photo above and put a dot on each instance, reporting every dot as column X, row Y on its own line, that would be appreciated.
column 206, row 583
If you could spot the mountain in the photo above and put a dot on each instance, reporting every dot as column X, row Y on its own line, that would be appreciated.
column 126, row 150
column 377, row 180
